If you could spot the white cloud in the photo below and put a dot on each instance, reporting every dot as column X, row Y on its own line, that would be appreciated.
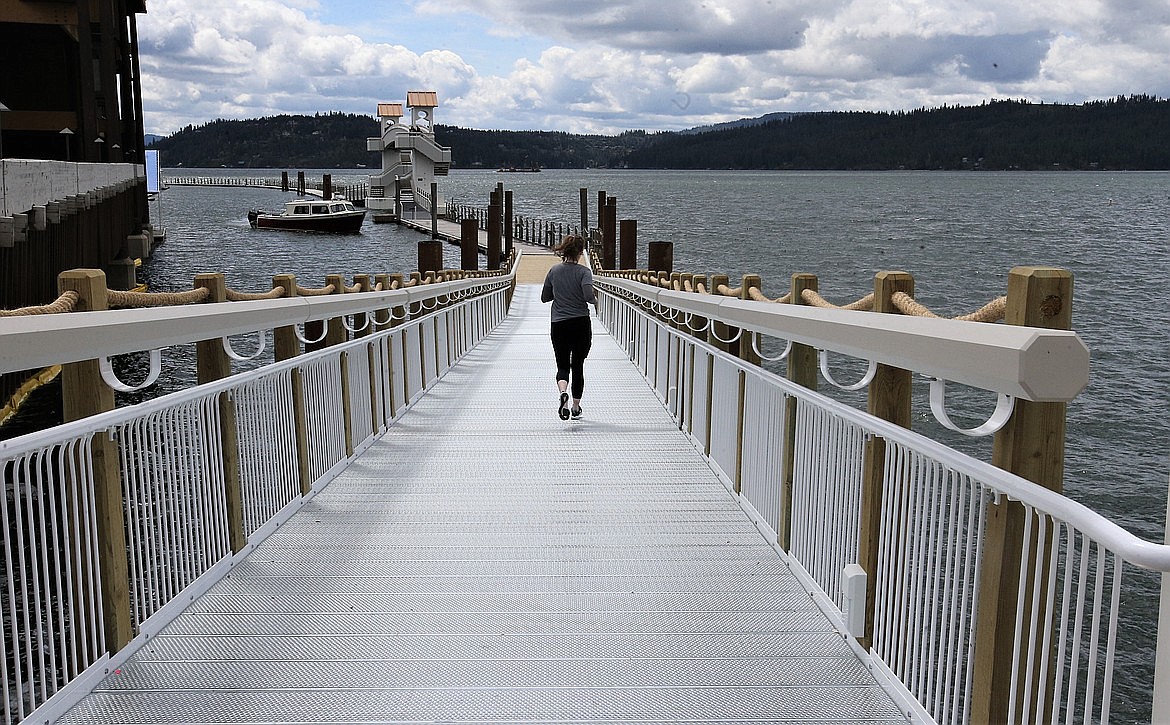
column 624, row 64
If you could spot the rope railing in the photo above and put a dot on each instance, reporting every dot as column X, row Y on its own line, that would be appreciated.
column 812, row 298
column 273, row 294
column 65, row 303
column 119, row 298
column 993, row 311
column 314, row 292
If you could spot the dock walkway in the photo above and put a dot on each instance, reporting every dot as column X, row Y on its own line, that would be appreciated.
column 485, row 561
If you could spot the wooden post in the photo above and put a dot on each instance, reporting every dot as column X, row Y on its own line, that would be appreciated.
column 584, row 212
column 660, row 257
column 600, row 210
column 718, row 332
column 398, row 198
column 747, row 351
column 337, row 335
column 507, row 224
column 889, row 399
column 628, row 244
column 430, row 257
column 609, row 235
column 362, row 282
column 802, row 370
column 469, row 245
column 212, row 363
column 301, row 183
column 435, row 213
column 286, row 347
column 493, row 233
column 326, row 187
column 284, row 181
column 83, row 394
column 1031, row 445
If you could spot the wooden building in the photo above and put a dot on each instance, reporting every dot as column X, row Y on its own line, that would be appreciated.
column 70, row 80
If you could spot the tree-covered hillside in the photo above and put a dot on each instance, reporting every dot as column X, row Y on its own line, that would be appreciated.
column 1122, row 133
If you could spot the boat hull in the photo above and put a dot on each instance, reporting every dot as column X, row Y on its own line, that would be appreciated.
column 345, row 223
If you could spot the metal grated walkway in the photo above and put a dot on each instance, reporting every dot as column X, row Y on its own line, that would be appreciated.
column 487, row 562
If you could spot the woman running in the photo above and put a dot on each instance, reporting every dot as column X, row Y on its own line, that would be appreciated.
column 569, row 286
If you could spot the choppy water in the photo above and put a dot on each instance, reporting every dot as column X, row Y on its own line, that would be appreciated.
column 958, row 233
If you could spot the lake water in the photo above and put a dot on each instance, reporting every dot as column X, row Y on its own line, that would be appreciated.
column 958, row 233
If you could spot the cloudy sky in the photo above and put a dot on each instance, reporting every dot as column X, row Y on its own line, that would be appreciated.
column 612, row 65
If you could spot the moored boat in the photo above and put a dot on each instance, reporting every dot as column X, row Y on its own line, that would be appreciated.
column 314, row 215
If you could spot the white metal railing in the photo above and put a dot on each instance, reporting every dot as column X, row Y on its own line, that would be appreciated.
column 170, row 461
column 934, row 501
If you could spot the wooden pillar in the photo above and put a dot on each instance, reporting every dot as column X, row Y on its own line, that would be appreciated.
column 584, row 212
column 889, row 399
column 212, row 363
column 609, row 235
column 802, row 370
column 435, row 213
column 84, row 394
column 507, row 224
column 327, row 187
column 494, row 237
column 430, row 257
column 628, row 246
column 301, row 183
column 366, row 326
column 1031, row 445
column 469, row 245
column 284, row 181
column 747, row 351
column 601, row 201
column 660, row 257
column 398, row 198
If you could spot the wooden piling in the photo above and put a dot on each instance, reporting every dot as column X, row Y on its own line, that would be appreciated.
column 84, row 394
column 584, row 211
column 609, row 235
column 660, row 257
column 628, row 244
column 327, row 187
column 430, row 257
column 507, row 224
column 1031, row 445
column 493, row 234
column 469, row 245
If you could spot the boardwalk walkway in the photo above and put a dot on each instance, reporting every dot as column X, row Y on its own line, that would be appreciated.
column 485, row 561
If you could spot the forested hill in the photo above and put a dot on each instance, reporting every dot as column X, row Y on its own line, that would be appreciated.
column 1123, row 133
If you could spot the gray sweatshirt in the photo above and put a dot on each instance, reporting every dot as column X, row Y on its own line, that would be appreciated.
column 569, row 287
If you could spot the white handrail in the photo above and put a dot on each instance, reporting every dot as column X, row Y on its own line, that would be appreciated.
column 32, row 342
column 1025, row 362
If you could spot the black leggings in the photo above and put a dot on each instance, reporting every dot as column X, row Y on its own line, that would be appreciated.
column 571, row 340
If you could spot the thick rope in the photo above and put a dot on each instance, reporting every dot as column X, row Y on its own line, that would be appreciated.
column 352, row 290
column 308, row 292
column 273, row 294
column 119, row 298
column 993, row 311
column 729, row 291
column 65, row 303
column 810, row 297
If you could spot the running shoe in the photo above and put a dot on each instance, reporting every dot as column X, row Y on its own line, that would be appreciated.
column 563, row 408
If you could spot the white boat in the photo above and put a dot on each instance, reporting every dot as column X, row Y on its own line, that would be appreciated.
column 336, row 215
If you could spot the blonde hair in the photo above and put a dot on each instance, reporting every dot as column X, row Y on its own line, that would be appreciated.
column 571, row 247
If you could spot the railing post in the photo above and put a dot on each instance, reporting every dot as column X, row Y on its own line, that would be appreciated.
column 212, row 363
column 889, row 399
column 337, row 335
column 802, row 370
column 747, row 351
column 286, row 346
column 83, row 394
column 718, row 331
column 1031, row 445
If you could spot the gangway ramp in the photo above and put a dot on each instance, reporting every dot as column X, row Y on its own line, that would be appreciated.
column 485, row 561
